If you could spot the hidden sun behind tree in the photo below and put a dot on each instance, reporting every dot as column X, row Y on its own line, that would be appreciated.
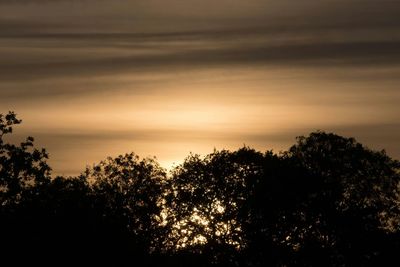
column 327, row 201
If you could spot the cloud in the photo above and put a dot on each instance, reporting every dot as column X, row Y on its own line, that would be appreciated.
column 190, row 54
column 175, row 15
column 66, row 57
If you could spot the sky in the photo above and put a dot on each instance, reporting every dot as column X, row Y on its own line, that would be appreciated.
column 98, row 78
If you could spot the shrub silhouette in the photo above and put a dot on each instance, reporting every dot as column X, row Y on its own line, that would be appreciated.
column 326, row 201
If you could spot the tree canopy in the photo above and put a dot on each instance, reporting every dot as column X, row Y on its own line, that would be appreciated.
column 326, row 201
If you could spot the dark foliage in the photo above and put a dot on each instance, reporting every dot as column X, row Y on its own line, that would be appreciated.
column 327, row 201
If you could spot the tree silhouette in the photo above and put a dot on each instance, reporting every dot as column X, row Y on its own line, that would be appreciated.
column 353, row 206
column 275, row 195
column 205, row 199
column 24, row 173
column 129, row 191
column 327, row 201
column 22, row 167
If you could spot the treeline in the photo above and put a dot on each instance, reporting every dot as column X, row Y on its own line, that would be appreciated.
column 327, row 201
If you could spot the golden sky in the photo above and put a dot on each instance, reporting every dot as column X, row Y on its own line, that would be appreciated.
column 163, row 78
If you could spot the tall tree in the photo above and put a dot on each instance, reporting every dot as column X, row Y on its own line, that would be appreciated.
column 204, row 200
column 23, row 166
column 129, row 192
column 352, row 208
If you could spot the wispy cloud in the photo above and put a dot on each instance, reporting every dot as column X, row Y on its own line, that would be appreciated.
column 94, row 78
